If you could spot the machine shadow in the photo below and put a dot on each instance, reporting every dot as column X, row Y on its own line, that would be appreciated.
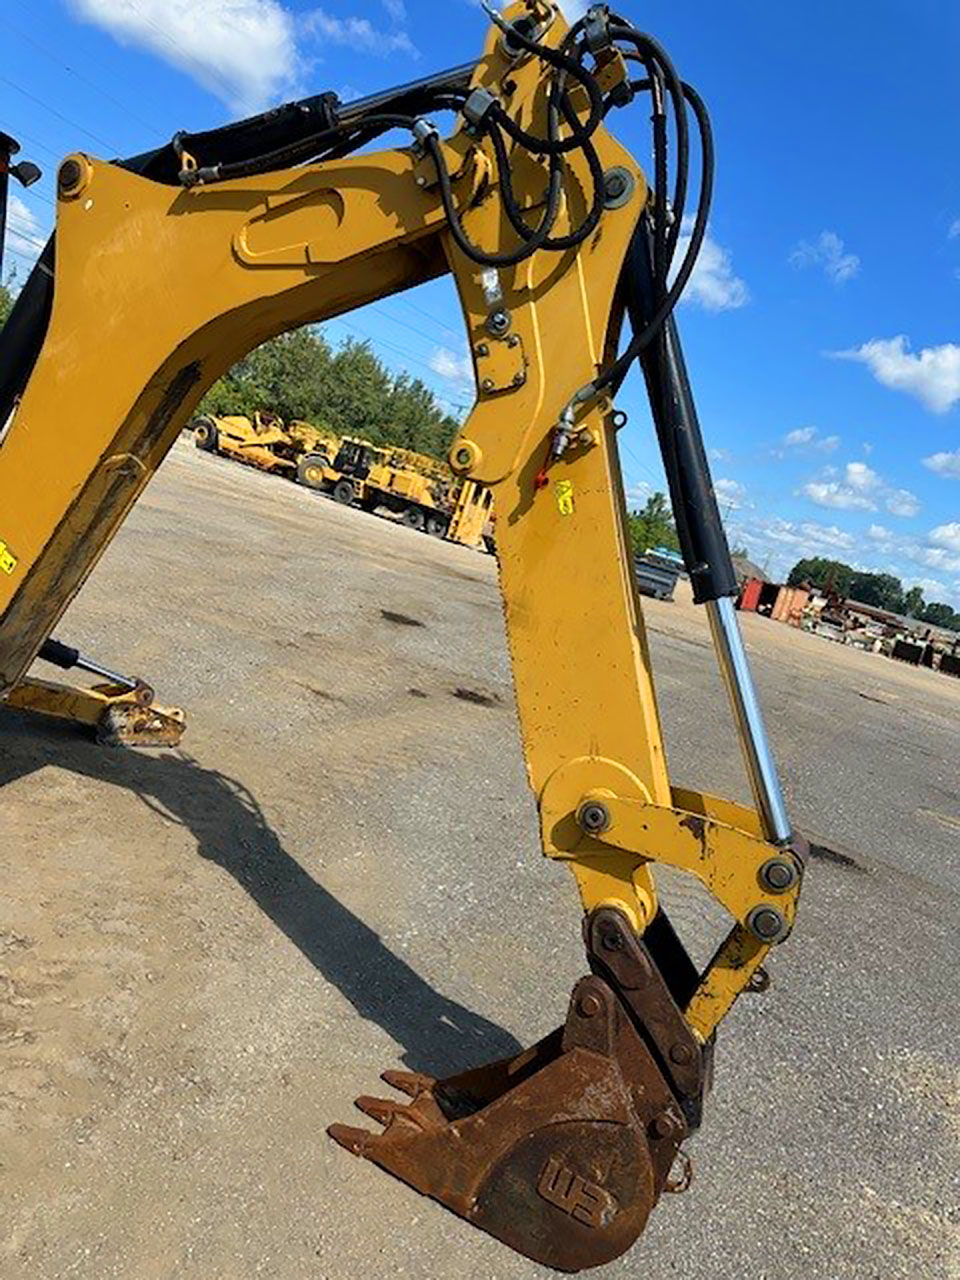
column 436, row 1034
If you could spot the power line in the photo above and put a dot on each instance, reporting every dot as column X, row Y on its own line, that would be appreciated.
column 29, row 193
column 59, row 114
column 83, row 79
column 26, row 137
column 407, row 355
column 458, row 334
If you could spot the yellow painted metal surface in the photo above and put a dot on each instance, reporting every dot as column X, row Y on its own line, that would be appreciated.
column 159, row 290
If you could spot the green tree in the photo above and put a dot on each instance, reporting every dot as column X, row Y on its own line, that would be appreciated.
column 6, row 304
column 941, row 615
column 882, row 590
column 826, row 574
column 913, row 603
column 653, row 526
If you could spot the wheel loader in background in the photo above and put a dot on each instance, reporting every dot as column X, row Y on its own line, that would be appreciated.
column 563, row 255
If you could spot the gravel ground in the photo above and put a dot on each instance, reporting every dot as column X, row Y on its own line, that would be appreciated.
column 206, row 955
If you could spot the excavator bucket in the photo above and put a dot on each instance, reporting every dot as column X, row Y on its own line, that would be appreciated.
column 563, row 1151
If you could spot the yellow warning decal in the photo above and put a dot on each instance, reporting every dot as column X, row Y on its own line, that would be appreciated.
column 564, row 490
column 8, row 561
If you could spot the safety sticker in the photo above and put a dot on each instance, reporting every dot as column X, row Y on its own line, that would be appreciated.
column 564, row 490
column 8, row 561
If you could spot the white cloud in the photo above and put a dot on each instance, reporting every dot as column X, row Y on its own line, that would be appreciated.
column 862, row 477
column 944, row 464
column 243, row 51
column 713, row 285
column 454, row 368
column 729, row 493
column 829, row 252
column 834, row 494
column 859, row 489
column 396, row 10
column 359, row 34
column 879, row 534
column 947, row 535
column 25, row 236
column 901, row 502
column 803, row 438
column 802, row 435
column 954, row 231
column 932, row 376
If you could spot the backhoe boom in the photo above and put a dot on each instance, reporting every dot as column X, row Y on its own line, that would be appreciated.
column 171, row 267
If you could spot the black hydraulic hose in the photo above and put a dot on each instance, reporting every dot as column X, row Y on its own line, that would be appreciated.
column 649, row 50
column 616, row 373
column 563, row 63
column 515, row 213
column 472, row 251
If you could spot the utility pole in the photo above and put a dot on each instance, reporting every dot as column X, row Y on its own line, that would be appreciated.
column 25, row 173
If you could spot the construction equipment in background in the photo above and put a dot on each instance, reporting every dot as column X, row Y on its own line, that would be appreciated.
column 169, row 266
column 264, row 441
column 423, row 492
column 119, row 710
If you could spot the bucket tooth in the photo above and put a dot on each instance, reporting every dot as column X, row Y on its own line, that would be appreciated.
column 411, row 1083
column 350, row 1138
column 380, row 1109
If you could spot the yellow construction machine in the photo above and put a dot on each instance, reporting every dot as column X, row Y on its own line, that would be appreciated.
column 569, row 262
column 264, row 441
column 423, row 492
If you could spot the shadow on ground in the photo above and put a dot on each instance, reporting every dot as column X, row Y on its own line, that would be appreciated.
column 436, row 1034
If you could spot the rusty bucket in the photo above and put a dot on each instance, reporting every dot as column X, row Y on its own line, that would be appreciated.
column 563, row 1151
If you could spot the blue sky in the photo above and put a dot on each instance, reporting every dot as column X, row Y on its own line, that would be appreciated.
column 821, row 328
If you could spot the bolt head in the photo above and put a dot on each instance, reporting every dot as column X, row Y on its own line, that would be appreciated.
column 667, row 1125
column 594, row 818
column 588, row 1006
column 616, row 185
column 498, row 322
column 681, row 1054
column 464, row 457
column 778, row 875
column 487, row 384
column 766, row 924
column 519, row 379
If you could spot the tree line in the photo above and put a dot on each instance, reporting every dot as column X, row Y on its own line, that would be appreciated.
column 882, row 590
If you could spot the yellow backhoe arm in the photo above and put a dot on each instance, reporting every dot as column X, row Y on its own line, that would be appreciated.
column 159, row 286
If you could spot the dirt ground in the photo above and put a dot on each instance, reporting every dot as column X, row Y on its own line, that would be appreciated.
column 206, row 955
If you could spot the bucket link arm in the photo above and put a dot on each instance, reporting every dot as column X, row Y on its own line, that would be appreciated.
column 158, row 289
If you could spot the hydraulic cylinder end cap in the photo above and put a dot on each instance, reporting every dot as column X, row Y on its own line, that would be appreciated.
column 465, row 456
column 74, row 176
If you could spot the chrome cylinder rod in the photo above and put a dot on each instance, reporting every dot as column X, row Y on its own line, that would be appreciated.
column 738, row 678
